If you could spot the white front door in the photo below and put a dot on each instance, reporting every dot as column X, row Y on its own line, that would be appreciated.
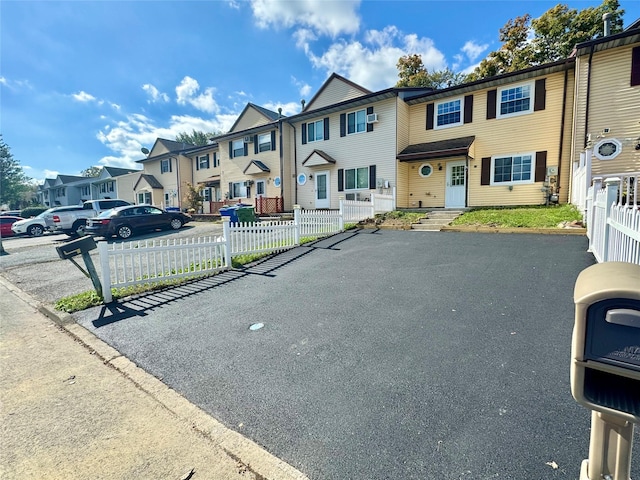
column 323, row 198
column 455, row 193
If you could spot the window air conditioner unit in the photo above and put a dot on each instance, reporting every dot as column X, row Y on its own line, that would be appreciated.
column 372, row 118
column 248, row 139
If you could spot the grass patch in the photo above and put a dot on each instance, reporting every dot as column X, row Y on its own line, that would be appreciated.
column 519, row 217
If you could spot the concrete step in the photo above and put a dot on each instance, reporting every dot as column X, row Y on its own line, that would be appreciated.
column 435, row 220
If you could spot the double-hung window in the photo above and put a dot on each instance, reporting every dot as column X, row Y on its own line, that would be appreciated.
column 513, row 169
column 357, row 122
column 449, row 113
column 238, row 148
column 165, row 165
column 315, row 131
column 264, row 142
column 203, row 162
column 144, row 197
column 206, row 194
column 515, row 100
column 238, row 190
column 356, row 178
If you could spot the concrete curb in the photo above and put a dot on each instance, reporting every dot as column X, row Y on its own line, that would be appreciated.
column 539, row 231
column 257, row 460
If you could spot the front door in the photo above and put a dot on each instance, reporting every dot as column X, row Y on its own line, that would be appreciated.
column 455, row 193
column 323, row 199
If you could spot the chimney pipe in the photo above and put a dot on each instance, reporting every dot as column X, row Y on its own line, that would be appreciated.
column 607, row 23
column 302, row 102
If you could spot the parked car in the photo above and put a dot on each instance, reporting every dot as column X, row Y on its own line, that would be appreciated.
column 34, row 227
column 127, row 221
column 73, row 221
column 11, row 213
column 5, row 225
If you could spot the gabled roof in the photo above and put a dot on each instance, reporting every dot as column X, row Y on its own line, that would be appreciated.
column 440, row 149
column 66, row 179
column 333, row 77
column 116, row 172
column 269, row 115
column 173, row 148
column 150, row 179
column 317, row 158
column 256, row 166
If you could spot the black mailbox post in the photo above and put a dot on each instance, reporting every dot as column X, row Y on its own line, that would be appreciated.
column 605, row 364
column 82, row 246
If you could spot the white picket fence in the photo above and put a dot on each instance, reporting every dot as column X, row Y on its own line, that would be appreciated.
column 581, row 181
column 151, row 261
column 613, row 218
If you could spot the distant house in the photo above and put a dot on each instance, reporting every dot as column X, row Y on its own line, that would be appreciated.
column 206, row 173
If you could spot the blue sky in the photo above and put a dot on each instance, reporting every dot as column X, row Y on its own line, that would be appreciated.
column 88, row 83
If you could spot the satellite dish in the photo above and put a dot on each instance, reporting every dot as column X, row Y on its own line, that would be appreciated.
column 145, row 150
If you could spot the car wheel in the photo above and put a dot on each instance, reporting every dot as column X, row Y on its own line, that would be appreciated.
column 176, row 223
column 124, row 231
column 35, row 230
column 79, row 229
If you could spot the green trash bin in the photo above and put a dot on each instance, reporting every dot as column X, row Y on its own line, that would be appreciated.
column 246, row 214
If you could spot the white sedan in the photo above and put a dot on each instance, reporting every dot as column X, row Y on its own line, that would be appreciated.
column 35, row 226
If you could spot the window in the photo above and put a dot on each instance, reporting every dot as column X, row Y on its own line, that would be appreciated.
column 515, row 169
column 107, row 187
column 515, row 100
column 144, row 197
column 357, row 122
column 61, row 192
column 315, row 131
column 449, row 113
column 264, row 142
column 607, row 149
column 165, row 165
column 206, row 194
column 238, row 190
column 85, row 191
column 203, row 162
column 167, row 199
column 238, row 148
column 355, row 178
column 425, row 170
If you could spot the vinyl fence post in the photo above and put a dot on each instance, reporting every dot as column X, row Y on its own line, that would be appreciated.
column 611, row 195
column 341, row 215
column 105, row 268
column 226, row 235
column 393, row 194
column 296, row 223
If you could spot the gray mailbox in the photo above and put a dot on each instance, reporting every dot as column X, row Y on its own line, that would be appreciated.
column 605, row 364
column 76, row 247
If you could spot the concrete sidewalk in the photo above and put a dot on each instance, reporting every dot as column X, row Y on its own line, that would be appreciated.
column 71, row 407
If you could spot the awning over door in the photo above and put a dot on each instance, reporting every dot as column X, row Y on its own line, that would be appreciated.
column 441, row 149
column 318, row 158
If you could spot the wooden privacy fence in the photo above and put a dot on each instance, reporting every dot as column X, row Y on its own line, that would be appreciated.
column 269, row 205
column 613, row 219
column 125, row 264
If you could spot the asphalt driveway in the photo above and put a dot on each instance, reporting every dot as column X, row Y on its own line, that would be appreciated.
column 384, row 354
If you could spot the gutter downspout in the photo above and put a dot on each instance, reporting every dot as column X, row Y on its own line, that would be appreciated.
column 295, row 162
column 562, row 122
column 280, row 141
column 586, row 113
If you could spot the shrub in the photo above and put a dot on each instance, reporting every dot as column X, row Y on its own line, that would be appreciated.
column 33, row 211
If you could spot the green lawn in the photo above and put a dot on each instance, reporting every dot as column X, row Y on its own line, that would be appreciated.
column 521, row 217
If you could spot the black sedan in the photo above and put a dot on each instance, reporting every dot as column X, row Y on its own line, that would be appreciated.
column 126, row 221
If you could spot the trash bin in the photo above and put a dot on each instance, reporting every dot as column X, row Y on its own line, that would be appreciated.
column 231, row 211
column 172, row 209
column 246, row 214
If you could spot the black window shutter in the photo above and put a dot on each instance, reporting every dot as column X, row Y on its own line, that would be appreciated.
column 341, row 180
column 304, row 133
column 215, row 159
column 197, row 162
column 230, row 190
column 485, row 171
column 208, row 164
column 246, row 149
column 343, row 124
column 230, row 149
column 170, row 166
column 541, row 166
column 492, row 96
column 430, row 116
column 468, row 109
column 372, row 177
column 540, row 101
column 635, row 66
column 255, row 144
column 369, row 125
column 326, row 128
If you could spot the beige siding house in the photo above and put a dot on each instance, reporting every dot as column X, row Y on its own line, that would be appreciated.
column 500, row 141
column 206, row 174
column 607, row 102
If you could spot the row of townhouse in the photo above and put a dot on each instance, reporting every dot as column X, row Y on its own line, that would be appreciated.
column 506, row 140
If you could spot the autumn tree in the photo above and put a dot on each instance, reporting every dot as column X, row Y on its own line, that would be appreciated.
column 413, row 73
column 528, row 42
column 14, row 183
column 196, row 137
column 193, row 197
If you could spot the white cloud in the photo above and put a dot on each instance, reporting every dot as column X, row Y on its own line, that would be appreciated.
column 84, row 97
column 288, row 109
column 187, row 93
column 472, row 50
column 154, row 94
column 3, row 81
column 330, row 18
column 373, row 65
column 50, row 173
column 303, row 88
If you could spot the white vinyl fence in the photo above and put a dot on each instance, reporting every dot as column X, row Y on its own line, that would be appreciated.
column 581, row 181
column 151, row 261
column 613, row 219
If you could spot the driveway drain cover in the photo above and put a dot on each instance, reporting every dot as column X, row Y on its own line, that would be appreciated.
column 256, row 326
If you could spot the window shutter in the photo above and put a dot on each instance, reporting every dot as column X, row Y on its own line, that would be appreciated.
column 485, row 171
column 197, row 162
column 170, row 166
column 492, row 96
column 540, row 101
column 468, row 109
column 343, row 124
column 246, row 149
column 208, row 164
column 372, row 177
column 230, row 149
column 341, row 180
column 541, row 166
column 255, row 144
column 635, row 66
column 273, row 140
column 369, row 125
column 326, row 128
column 230, row 190
column 215, row 159
column 430, row 116
column 304, row 133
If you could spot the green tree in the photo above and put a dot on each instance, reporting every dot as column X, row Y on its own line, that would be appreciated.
column 193, row 197
column 529, row 42
column 197, row 137
column 91, row 172
column 413, row 73
column 14, row 183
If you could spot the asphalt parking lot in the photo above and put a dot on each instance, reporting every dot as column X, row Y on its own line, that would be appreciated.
column 384, row 354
